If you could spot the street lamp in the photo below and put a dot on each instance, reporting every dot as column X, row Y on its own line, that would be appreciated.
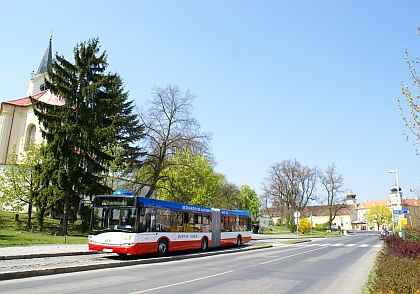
column 398, row 199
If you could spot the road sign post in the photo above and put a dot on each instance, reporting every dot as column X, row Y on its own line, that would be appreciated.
column 297, row 216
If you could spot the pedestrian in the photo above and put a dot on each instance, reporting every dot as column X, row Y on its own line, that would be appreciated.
column 383, row 232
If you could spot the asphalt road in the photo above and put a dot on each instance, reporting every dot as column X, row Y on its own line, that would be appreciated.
column 333, row 265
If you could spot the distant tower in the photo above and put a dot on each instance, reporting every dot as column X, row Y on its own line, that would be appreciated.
column 36, row 82
column 351, row 198
column 395, row 202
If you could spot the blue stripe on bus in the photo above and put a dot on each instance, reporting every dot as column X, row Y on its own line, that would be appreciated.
column 151, row 202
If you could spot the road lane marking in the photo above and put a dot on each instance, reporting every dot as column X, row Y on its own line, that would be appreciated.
column 284, row 257
column 181, row 283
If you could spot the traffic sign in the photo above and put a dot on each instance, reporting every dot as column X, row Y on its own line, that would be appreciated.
column 400, row 212
column 296, row 214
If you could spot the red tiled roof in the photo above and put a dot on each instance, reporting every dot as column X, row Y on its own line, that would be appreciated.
column 45, row 96
column 369, row 204
column 22, row 102
column 318, row 210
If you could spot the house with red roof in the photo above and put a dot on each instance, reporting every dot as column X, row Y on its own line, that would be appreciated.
column 352, row 215
column 395, row 202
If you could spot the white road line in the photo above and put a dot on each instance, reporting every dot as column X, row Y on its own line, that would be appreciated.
column 363, row 245
column 350, row 245
column 288, row 256
column 180, row 283
column 219, row 274
column 337, row 244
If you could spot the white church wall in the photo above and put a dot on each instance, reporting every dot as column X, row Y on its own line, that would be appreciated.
column 7, row 119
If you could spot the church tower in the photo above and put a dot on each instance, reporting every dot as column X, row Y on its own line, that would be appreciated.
column 396, row 197
column 36, row 82
column 18, row 123
column 351, row 198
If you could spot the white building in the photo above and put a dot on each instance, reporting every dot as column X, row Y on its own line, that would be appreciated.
column 18, row 123
column 395, row 201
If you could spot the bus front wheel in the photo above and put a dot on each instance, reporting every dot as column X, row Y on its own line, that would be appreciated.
column 162, row 248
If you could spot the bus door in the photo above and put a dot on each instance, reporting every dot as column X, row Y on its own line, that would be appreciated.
column 215, row 227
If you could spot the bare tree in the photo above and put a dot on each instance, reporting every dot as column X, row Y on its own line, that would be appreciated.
column 335, row 198
column 291, row 186
column 169, row 126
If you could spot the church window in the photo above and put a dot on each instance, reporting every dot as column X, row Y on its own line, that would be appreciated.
column 30, row 137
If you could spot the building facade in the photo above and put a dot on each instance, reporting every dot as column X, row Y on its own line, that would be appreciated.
column 18, row 123
column 395, row 201
column 352, row 215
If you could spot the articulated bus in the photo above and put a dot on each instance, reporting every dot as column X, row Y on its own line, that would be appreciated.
column 134, row 225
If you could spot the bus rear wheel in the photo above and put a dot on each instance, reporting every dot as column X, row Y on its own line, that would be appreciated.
column 204, row 244
column 239, row 241
column 162, row 248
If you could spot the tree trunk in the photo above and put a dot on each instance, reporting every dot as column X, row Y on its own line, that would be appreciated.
column 63, row 231
column 28, row 222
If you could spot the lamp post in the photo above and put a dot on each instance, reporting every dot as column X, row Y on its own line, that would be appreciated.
column 398, row 199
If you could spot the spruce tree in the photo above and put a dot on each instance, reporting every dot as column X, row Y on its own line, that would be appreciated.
column 84, row 133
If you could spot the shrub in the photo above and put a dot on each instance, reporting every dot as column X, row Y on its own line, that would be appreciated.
column 304, row 225
column 320, row 227
column 397, row 267
column 396, row 246
column 396, row 275
column 413, row 231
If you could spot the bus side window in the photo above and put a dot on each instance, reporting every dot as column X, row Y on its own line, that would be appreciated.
column 206, row 223
column 175, row 221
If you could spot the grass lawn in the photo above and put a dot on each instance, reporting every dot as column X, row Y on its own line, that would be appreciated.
column 15, row 233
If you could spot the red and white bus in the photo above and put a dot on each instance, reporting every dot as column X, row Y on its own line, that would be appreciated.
column 128, row 224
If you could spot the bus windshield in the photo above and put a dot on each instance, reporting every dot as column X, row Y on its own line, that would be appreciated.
column 113, row 214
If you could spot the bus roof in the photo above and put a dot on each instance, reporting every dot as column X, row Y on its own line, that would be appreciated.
column 164, row 204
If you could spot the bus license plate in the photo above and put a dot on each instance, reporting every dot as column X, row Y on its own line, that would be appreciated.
column 107, row 250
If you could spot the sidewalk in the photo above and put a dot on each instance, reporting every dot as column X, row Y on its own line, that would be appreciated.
column 42, row 250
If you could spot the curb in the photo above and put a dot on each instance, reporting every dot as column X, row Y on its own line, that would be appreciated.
column 87, row 267
column 42, row 255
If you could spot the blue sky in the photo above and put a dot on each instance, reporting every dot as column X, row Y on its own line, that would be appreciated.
column 315, row 81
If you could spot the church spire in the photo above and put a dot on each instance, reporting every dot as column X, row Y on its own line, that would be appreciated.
column 46, row 60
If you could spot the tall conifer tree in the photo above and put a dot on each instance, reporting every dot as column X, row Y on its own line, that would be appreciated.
column 84, row 134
